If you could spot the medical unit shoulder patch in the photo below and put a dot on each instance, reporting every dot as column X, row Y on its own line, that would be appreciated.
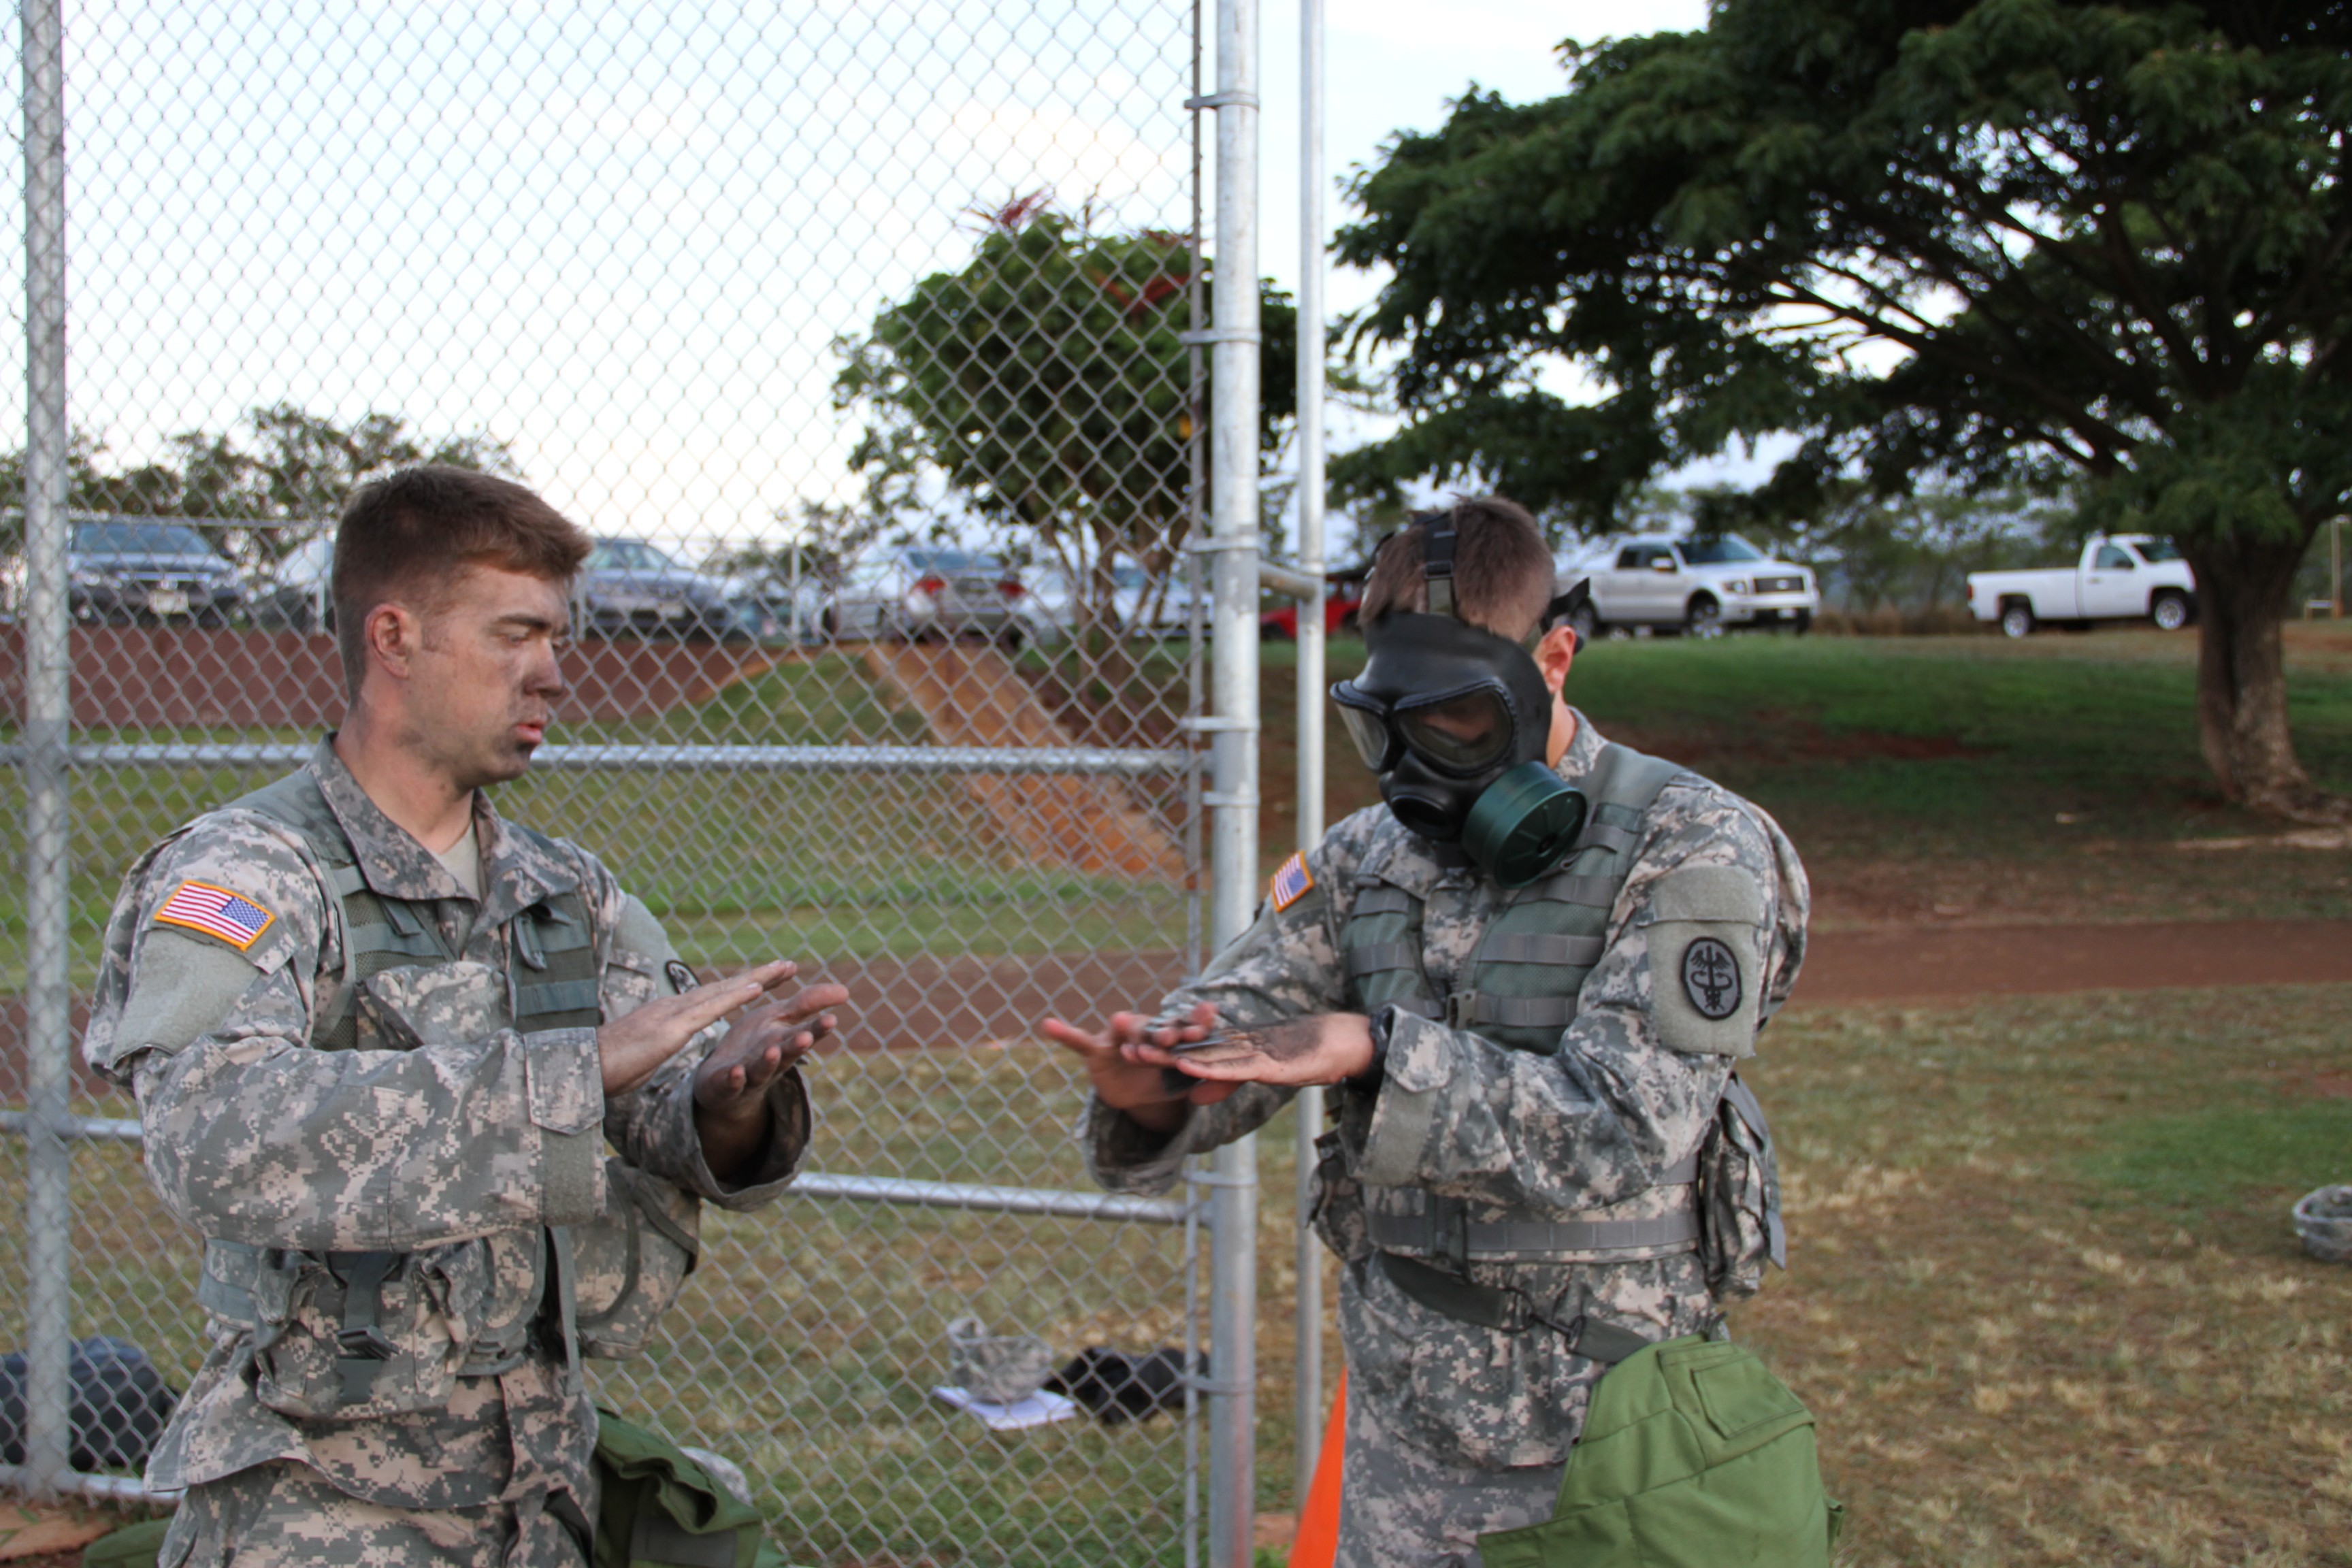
column 1291, row 881
column 216, row 911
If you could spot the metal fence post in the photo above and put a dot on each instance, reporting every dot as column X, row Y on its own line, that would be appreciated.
column 49, row 1214
column 1309, row 1108
column 1233, row 858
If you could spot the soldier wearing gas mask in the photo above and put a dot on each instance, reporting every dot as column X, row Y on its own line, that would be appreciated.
column 1530, row 974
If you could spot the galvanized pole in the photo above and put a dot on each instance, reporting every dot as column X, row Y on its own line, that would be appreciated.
column 49, row 1215
column 1308, row 1352
column 1233, row 803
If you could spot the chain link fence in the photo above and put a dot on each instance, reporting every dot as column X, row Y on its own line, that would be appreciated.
column 867, row 340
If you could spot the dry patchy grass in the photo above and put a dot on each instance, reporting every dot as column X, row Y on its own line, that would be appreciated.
column 2028, row 1344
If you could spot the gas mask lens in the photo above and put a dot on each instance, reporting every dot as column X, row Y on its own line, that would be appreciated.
column 1471, row 732
column 1466, row 732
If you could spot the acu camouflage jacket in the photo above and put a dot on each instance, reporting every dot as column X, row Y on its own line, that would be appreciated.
column 1585, row 1134
column 446, row 1134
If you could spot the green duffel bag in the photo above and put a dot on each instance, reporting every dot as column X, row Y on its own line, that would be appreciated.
column 1694, row 1456
column 659, row 1509
column 133, row 1546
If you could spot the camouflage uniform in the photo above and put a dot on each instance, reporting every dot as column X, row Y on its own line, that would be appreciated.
column 446, row 1134
column 1453, row 1429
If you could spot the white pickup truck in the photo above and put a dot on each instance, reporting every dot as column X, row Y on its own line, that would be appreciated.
column 1700, row 586
column 2121, row 577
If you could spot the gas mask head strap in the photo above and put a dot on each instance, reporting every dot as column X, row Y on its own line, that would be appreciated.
column 1563, row 607
column 1437, row 560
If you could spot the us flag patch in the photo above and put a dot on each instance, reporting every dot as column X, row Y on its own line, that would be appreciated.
column 216, row 911
column 1291, row 881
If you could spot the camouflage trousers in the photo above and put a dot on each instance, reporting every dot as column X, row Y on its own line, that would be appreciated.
column 285, row 1515
column 1454, row 1431
column 1400, row 1507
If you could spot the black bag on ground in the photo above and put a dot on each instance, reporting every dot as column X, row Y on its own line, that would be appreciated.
column 119, row 1405
column 1115, row 1386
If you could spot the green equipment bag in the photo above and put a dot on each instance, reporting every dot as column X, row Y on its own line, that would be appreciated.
column 1694, row 1456
column 659, row 1509
column 133, row 1546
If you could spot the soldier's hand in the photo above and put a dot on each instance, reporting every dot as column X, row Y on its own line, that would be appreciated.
column 634, row 1046
column 733, row 1078
column 1325, row 1049
column 1140, row 1089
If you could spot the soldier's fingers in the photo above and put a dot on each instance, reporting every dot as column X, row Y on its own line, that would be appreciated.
column 816, row 999
column 770, row 974
column 698, row 1009
column 1082, row 1040
column 1209, row 1093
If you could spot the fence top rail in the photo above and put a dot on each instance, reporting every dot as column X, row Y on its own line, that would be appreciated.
column 1123, row 762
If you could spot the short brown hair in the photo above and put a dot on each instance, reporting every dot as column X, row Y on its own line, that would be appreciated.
column 1502, row 569
column 417, row 529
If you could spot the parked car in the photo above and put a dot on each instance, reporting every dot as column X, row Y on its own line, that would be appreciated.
column 1049, row 609
column 909, row 590
column 1343, row 596
column 130, row 569
column 627, row 586
column 294, row 592
column 1698, row 585
column 2126, row 577
column 767, row 608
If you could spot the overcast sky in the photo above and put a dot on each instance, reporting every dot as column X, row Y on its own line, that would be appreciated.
column 623, row 237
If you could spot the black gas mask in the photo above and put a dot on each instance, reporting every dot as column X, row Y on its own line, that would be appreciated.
column 1455, row 721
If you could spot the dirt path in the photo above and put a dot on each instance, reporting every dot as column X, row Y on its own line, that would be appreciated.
column 1908, row 962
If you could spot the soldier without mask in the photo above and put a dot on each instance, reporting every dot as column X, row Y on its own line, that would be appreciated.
column 380, row 1037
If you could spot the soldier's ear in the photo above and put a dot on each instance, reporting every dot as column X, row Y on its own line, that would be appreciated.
column 393, row 634
column 1554, row 654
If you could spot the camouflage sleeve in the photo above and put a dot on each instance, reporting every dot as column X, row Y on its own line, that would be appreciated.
column 1286, row 966
column 1696, row 951
column 652, row 1126
column 252, row 1136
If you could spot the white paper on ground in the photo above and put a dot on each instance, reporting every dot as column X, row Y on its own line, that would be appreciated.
column 1037, row 1410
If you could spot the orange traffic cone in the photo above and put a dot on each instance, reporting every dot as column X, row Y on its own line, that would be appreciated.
column 1318, row 1541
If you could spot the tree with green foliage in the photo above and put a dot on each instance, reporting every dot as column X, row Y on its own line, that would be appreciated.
column 279, row 466
column 2013, row 241
column 1047, row 382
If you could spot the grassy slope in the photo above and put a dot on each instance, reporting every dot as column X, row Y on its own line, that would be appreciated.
column 1953, row 777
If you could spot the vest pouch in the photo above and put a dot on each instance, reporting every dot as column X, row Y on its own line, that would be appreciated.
column 1739, row 1197
column 372, row 1334
column 630, row 1263
column 1694, row 1456
column 1338, row 1216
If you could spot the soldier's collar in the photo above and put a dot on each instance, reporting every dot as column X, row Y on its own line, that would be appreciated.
column 516, row 874
column 1583, row 753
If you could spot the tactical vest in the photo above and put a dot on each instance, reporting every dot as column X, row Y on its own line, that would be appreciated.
column 502, row 1288
column 1518, row 989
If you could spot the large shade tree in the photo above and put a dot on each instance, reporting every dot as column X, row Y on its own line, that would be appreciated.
column 1048, row 382
column 2016, row 240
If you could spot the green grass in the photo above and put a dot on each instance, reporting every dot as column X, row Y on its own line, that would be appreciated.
column 2209, row 1159
column 1944, row 777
